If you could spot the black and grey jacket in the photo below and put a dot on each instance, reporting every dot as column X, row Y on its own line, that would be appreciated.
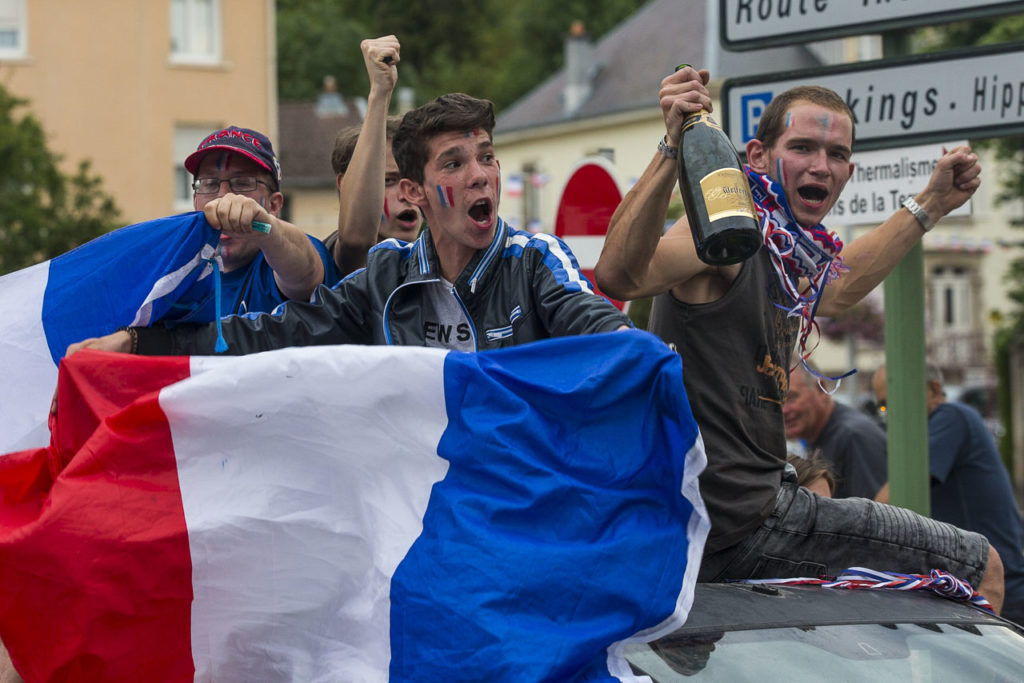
column 521, row 288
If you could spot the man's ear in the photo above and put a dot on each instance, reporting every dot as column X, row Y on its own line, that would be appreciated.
column 275, row 204
column 413, row 192
column 338, row 181
column 757, row 156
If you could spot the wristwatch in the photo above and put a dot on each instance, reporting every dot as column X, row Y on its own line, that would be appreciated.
column 920, row 214
column 670, row 152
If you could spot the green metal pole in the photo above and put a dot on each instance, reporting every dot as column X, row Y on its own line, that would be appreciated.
column 906, row 407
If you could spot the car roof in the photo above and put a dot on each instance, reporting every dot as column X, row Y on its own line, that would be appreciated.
column 732, row 607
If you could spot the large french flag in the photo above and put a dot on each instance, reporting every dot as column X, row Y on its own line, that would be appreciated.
column 133, row 276
column 355, row 514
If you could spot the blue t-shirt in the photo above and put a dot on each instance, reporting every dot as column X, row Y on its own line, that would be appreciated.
column 971, row 488
column 253, row 289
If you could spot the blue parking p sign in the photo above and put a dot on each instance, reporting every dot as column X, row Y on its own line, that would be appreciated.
column 752, row 106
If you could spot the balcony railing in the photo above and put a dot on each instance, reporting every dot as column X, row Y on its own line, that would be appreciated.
column 959, row 350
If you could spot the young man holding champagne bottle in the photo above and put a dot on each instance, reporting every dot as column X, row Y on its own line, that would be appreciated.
column 735, row 327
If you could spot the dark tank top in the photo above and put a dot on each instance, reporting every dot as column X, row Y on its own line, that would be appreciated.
column 736, row 358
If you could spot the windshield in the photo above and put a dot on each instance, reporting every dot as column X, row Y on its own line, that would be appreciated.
column 900, row 653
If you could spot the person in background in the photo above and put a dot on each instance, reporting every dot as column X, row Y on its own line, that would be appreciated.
column 236, row 182
column 370, row 206
column 850, row 441
column 970, row 487
column 813, row 473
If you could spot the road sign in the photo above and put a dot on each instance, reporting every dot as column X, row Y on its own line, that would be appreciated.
column 585, row 208
column 882, row 179
column 971, row 93
column 748, row 24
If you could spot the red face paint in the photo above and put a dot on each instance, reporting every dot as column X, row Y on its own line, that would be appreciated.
column 223, row 161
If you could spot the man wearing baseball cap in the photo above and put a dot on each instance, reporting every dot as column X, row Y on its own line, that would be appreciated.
column 237, row 185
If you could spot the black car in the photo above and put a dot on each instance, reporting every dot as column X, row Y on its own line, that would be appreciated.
column 740, row 632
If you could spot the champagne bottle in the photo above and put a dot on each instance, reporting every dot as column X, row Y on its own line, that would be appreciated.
column 716, row 194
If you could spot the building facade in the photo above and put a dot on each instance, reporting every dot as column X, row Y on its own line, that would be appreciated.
column 134, row 85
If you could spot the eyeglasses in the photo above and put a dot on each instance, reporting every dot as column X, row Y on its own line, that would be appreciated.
column 242, row 183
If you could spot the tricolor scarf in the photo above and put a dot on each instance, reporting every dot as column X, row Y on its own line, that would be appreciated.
column 936, row 581
column 797, row 252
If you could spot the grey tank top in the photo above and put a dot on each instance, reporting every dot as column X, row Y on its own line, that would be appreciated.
column 736, row 357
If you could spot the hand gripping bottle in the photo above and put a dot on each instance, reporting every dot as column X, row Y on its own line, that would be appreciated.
column 715, row 193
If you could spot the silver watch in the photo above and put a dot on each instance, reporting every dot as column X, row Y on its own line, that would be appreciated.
column 920, row 214
column 670, row 152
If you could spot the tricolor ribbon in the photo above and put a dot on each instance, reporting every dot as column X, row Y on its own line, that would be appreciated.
column 797, row 252
column 937, row 581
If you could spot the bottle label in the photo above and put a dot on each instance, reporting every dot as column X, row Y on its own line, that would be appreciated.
column 701, row 117
column 727, row 193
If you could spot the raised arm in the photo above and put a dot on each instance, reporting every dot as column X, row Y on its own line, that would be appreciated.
column 362, row 186
column 872, row 256
column 297, row 267
column 638, row 260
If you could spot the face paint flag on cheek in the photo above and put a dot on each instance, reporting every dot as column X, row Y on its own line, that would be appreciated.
column 447, row 196
column 387, row 214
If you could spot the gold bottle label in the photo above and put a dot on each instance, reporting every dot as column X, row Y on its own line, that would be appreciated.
column 727, row 193
column 701, row 117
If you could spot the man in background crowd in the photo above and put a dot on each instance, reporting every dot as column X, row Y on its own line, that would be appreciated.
column 969, row 484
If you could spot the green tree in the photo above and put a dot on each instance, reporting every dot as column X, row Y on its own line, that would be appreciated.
column 43, row 212
column 497, row 49
column 317, row 38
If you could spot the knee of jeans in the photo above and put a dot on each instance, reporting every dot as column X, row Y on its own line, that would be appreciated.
column 769, row 567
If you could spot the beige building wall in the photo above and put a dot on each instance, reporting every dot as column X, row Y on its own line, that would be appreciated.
column 314, row 210
column 628, row 141
column 101, row 78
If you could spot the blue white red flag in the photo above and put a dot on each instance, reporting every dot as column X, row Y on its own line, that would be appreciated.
column 355, row 513
column 133, row 276
column 514, row 186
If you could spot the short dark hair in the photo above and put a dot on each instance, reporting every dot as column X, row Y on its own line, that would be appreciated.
column 770, row 127
column 345, row 143
column 811, row 467
column 456, row 112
